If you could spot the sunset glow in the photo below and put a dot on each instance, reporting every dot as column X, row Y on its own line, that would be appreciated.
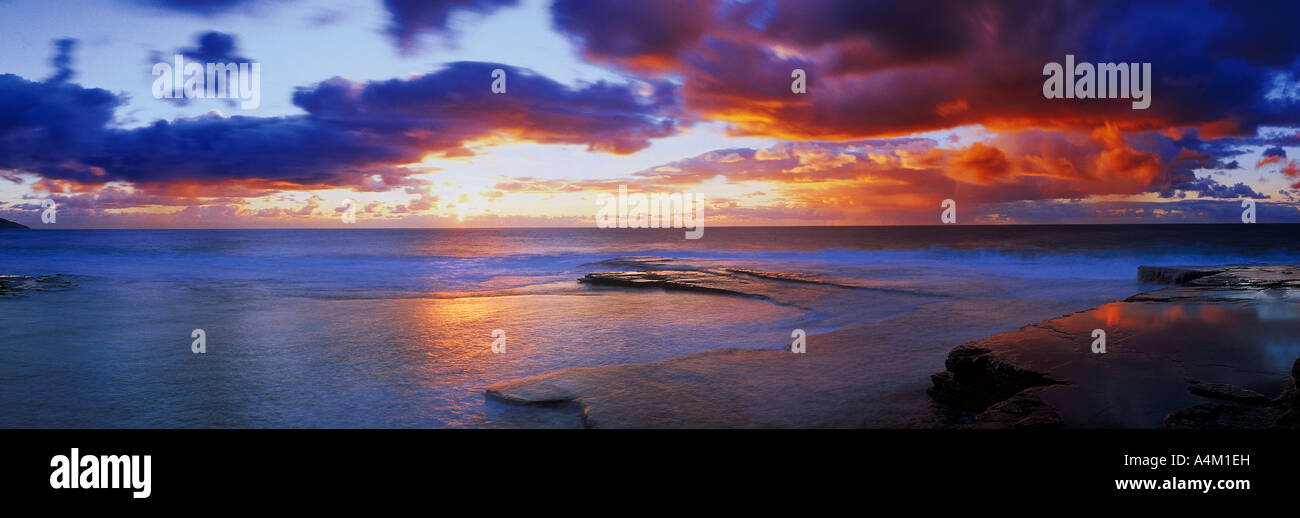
column 394, row 108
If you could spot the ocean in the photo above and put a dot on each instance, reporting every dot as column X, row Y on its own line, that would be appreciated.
column 394, row 328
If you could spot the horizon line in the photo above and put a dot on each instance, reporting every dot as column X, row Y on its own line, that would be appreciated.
column 351, row 227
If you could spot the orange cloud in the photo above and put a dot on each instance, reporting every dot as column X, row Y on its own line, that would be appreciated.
column 1293, row 171
column 1120, row 161
column 979, row 164
column 1269, row 160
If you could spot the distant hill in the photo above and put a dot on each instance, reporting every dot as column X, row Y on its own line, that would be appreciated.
column 6, row 224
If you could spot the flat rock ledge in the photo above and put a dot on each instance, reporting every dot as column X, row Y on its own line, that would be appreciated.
column 23, row 285
column 1239, row 408
column 704, row 282
column 1173, row 274
column 783, row 288
column 1045, row 376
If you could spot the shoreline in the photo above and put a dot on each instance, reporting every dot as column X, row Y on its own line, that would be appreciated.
column 1216, row 350
column 1041, row 375
column 870, row 374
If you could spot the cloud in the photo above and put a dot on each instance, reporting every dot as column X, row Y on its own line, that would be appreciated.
column 1127, row 212
column 353, row 132
column 214, row 47
column 62, row 60
column 209, row 8
column 636, row 34
column 891, row 69
column 908, row 177
column 1206, row 187
column 1258, row 32
column 45, row 125
column 980, row 164
column 1292, row 171
column 210, row 47
column 1271, row 155
column 537, row 185
column 878, row 74
column 411, row 18
column 442, row 110
column 200, row 7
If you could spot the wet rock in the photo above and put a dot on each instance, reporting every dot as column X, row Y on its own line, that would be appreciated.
column 1290, row 419
column 1215, row 416
column 789, row 277
column 784, row 288
column 976, row 379
column 1026, row 409
column 1173, row 274
column 1242, row 408
column 1208, row 327
column 670, row 280
column 1211, row 416
column 640, row 263
column 1226, row 392
column 944, row 387
column 1251, row 278
column 21, row 285
column 1289, row 401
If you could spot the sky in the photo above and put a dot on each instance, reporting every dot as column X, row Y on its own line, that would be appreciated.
column 390, row 104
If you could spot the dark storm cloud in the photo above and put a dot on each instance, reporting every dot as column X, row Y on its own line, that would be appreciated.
column 214, row 47
column 1206, row 187
column 1259, row 32
column 353, row 130
column 43, row 123
column 411, row 18
column 643, row 34
column 444, row 109
column 892, row 68
column 907, row 32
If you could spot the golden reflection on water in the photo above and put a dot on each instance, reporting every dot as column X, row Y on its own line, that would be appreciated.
column 452, row 337
column 1153, row 351
column 1148, row 317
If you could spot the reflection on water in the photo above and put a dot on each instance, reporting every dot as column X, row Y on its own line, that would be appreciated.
column 1154, row 350
column 275, row 361
column 379, row 328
